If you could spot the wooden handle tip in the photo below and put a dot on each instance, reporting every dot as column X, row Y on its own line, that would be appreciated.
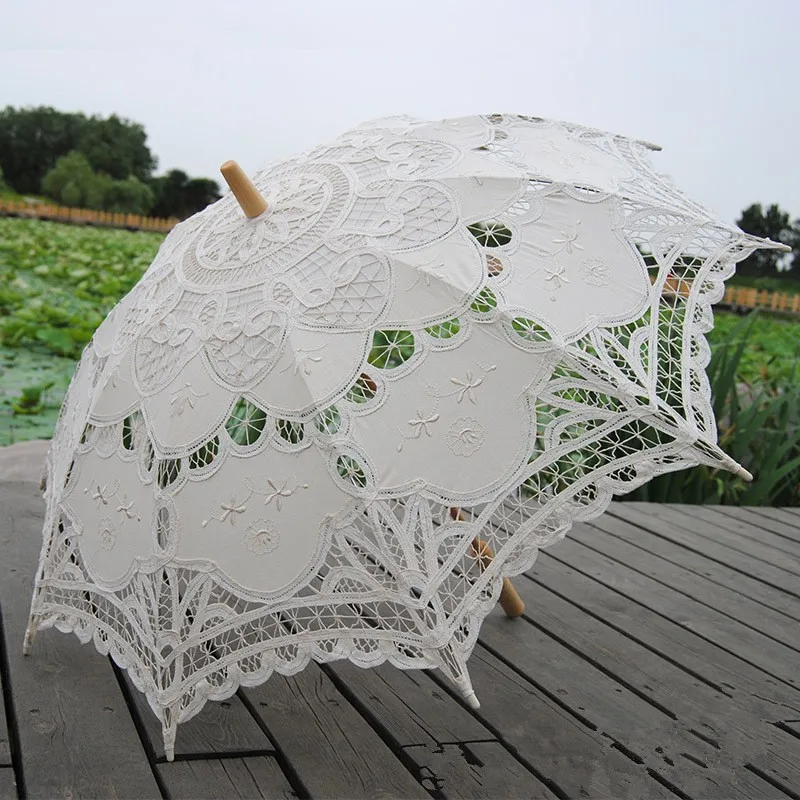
column 248, row 197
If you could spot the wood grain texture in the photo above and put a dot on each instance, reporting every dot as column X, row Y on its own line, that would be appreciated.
column 768, row 655
column 723, row 732
column 434, row 728
column 71, row 713
column 571, row 755
column 668, row 523
column 691, row 582
column 410, row 706
column 8, row 788
column 221, row 727
column 475, row 770
column 740, row 536
column 698, row 566
column 757, row 518
column 332, row 748
column 245, row 778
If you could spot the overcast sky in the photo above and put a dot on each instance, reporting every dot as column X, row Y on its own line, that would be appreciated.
column 715, row 83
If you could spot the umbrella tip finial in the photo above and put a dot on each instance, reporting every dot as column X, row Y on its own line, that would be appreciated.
column 244, row 191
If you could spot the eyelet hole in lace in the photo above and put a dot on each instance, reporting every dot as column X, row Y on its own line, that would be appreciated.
column 291, row 432
column 390, row 349
column 351, row 471
column 246, row 423
column 529, row 330
column 363, row 390
column 329, row 421
column 204, row 454
column 168, row 471
column 490, row 233
column 162, row 528
column 494, row 266
column 444, row 330
column 485, row 302
column 127, row 433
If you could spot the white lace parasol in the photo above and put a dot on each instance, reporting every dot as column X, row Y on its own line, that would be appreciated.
column 255, row 462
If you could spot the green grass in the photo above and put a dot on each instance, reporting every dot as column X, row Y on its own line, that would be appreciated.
column 58, row 282
column 773, row 345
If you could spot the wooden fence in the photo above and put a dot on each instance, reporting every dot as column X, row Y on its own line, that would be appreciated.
column 742, row 297
column 84, row 216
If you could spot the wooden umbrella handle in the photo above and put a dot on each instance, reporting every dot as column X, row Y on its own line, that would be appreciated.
column 243, row 189
column 510, row 601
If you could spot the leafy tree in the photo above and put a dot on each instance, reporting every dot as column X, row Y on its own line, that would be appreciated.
column 73, row 182
column 131, row 195
column 775, row 224
column 117, row 147
column 176, row 195
column 31, row 141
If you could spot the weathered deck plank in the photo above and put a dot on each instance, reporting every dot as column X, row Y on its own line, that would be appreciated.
column 669, row 523
column 722, row 598
column 771, row 657
column 8, row 788
column 642, row 729
column 788, row 516
column 630, row 610
column 723, row 729
column 754, row 517
column 432, row 711
column 737, row 535
column 699, row 566
column 475, row 770
column 211, row 779
column 71, row 714
column 220, row 728
column 333, row 750
column 576, row 759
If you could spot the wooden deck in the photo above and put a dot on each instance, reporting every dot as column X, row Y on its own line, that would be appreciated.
column 658, row 658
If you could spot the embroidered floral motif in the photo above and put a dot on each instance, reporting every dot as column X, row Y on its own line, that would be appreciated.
column 230, row 510
column 596, row 272
column 184, row 398
column 303, row 360
column 423, row 423
column 107, row 533
column 469, row 384
column 569, row 239
column 556, row 275
column 101, row 494
column 465, row 436
column 126, row 509
column 261, row 537
column 278, row 492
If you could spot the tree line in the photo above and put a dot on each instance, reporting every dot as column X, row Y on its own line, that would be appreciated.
column 102, row 163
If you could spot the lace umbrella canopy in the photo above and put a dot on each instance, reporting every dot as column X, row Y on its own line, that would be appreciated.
column 257, row 457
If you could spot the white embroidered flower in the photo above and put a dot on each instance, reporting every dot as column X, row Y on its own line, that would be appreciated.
column 596, row 272
column 465, row 436
column 261, row 537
